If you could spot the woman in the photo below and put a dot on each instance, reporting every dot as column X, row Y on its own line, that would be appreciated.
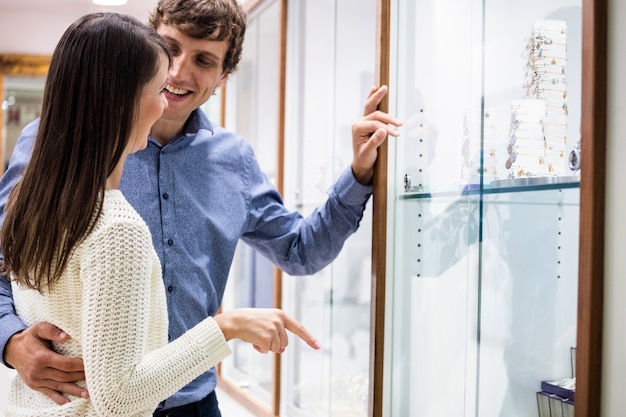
column 80, row 257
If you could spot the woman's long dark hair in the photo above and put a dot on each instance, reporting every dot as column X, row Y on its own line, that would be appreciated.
column 90, row 104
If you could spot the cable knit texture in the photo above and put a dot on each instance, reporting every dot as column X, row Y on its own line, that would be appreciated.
column 111, row 302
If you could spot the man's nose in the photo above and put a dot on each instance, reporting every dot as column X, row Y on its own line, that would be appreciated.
column 178, row 68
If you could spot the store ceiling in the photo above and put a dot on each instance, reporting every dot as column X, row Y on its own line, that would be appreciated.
column 137, row 8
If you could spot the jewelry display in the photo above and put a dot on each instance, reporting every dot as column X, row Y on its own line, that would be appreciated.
column 538, row 127
column 538, row 130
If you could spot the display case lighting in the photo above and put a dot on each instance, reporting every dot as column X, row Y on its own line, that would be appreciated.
column 109, row 2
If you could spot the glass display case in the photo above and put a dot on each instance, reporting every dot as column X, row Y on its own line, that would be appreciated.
column 483, row 209
column 460, row 292
column 331, row 53
column 329, row 69
column 252, row 108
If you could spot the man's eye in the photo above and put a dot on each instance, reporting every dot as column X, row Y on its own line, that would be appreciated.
column 205, row 63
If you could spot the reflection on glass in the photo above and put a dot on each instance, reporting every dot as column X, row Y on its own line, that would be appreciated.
column 253, row 113
column 485, row 219
column 330, row 72
column 21, row 104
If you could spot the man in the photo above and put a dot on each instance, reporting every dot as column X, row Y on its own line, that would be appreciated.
column 200, row 189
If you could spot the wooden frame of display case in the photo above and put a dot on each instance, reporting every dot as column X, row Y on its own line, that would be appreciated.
column 379, row 225
column 22, row 65
column 592, row 196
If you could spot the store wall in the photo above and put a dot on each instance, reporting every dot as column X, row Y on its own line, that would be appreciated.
column 614, row 354
column 38, row 31
column 39, row 38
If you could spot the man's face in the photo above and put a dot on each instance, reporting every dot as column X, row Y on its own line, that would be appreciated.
column 195, row 73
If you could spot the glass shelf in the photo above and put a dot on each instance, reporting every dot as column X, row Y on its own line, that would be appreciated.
column 502, row 188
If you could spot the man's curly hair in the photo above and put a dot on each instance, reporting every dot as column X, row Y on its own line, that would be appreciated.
column 206, row 19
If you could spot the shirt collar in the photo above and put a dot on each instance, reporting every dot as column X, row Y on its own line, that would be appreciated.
column 197, row 120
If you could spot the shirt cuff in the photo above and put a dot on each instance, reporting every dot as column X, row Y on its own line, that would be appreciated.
column 11, row 324
column 349, row 190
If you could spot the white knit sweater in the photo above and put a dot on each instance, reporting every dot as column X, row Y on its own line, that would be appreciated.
column 111, row 302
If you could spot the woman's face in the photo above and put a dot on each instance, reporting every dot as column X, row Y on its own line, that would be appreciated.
column 152, row 104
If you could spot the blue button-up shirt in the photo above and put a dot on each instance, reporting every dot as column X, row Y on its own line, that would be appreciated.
column 200, row 194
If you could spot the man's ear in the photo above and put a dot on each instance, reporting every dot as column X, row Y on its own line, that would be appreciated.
column 222, row 82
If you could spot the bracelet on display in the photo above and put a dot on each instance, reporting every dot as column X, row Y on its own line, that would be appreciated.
column 526, row 152
column 530, row 145
column 556, row 139
column 546, row 54
column 546, row 69
column 554, row 135
column 531, row 141
column 555, row 64
column 528, row 115
column 548, row 91
column 544, row 80
column 562, row 107
column 541, row 61
column 540, row 49
column 550, row 153
column 552, row 146
column 552, row 170
column 555, row 117
column 522, row 173
column 548, row 40
column 530, row 132
column 529, row 127
column 546, row 45
column 485, row 170
column 548, row 35
column 530, row 159
column 536, row 143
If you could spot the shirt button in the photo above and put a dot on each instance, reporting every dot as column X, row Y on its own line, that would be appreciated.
column 170, row 242
column 170, row 289
column 166, row 196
